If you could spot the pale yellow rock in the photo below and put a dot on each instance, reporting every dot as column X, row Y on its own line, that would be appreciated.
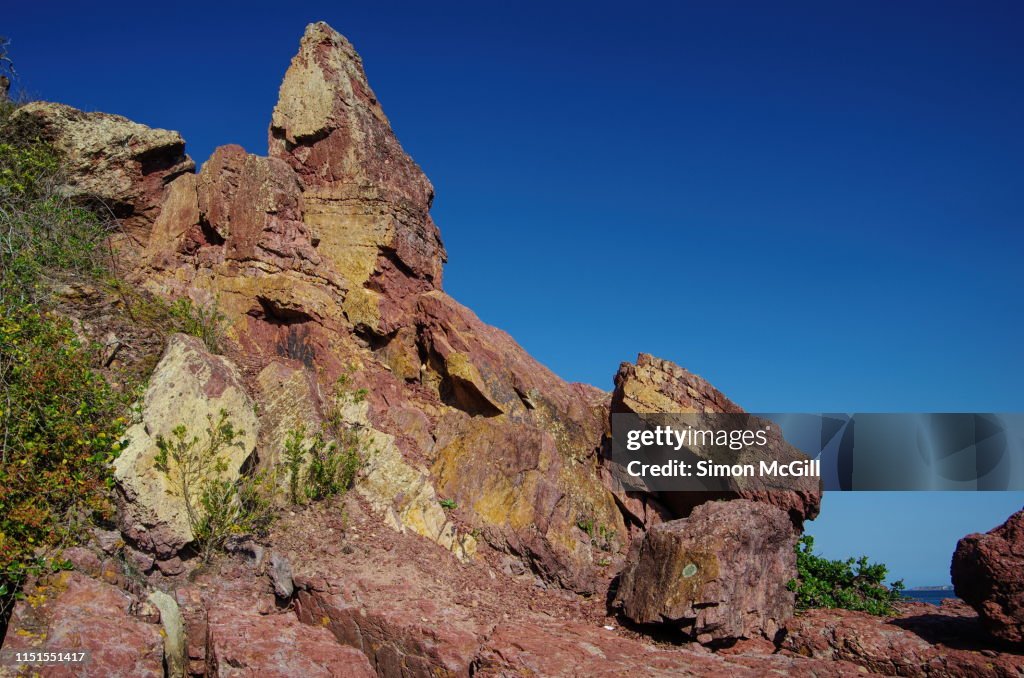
column 290, row 401
column 173, row 625
column 308, row 100
column 188, row 387
column 401, row 491
column 112, row 160
column 364, row 199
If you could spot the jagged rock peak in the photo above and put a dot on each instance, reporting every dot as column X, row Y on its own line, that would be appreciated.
column 365, row 199
column 315, row 90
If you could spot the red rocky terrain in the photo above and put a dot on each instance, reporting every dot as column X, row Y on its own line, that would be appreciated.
column 484, row 535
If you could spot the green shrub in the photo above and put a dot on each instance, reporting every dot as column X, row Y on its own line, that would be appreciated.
column 332, row 457
column 61, row 426
column 331, row 468
column 294, row 456
column 216, row 507
column 852, row 584
column 333, row 465
column 44, row 234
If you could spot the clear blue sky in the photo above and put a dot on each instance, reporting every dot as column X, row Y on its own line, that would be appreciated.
column 817, row 206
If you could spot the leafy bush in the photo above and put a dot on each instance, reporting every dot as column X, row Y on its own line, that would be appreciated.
column 61, row 426
column 43, row 232
column 334, row 454
column 331, row 469
column 60, row 423
column 216, row 507
column 852, row 584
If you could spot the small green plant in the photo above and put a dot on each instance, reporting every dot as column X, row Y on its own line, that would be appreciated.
column 335, row 455
column 294, row 456
column 449, row 504
column 601, row 536
column 216, row 506
column 344, row 395
column 333, row 466
column 203, row 321
column 852, row 584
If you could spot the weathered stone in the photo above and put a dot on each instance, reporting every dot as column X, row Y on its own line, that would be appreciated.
column 517, row 446
column 289, row 401
column 571, row 649
column 189, row 387
column 235, row 235
column 988, row 573
column 280, row 572
column 112, row 161
column 718, row 575
column 921, row 641
column 512, row 479
column 173, row 626
column 653, row 386
column 253, row 204
column 366, row 201
column 245, row 643
column 73, row 612
column 401, row 492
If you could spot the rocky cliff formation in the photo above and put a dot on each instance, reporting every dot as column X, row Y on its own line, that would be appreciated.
column 484, row 535
column 324, row 258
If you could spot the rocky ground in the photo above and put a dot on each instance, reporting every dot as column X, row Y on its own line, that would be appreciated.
column 484, row 534
column 362, row 599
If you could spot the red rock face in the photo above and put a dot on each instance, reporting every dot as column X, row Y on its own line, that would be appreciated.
column 253, row 204
column 74, row 612
column 988, row 573
column 719, row 575
column 245, row 643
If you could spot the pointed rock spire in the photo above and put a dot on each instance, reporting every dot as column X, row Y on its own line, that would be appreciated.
column 365, row 200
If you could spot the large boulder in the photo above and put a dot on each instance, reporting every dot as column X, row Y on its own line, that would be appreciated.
column 112, row 162
column 367, row 203
column 656, row 386
column 718, row 575
column 988, row 573
column 189, row 387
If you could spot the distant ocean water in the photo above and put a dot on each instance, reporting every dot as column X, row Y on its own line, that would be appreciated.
column 933, row 597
